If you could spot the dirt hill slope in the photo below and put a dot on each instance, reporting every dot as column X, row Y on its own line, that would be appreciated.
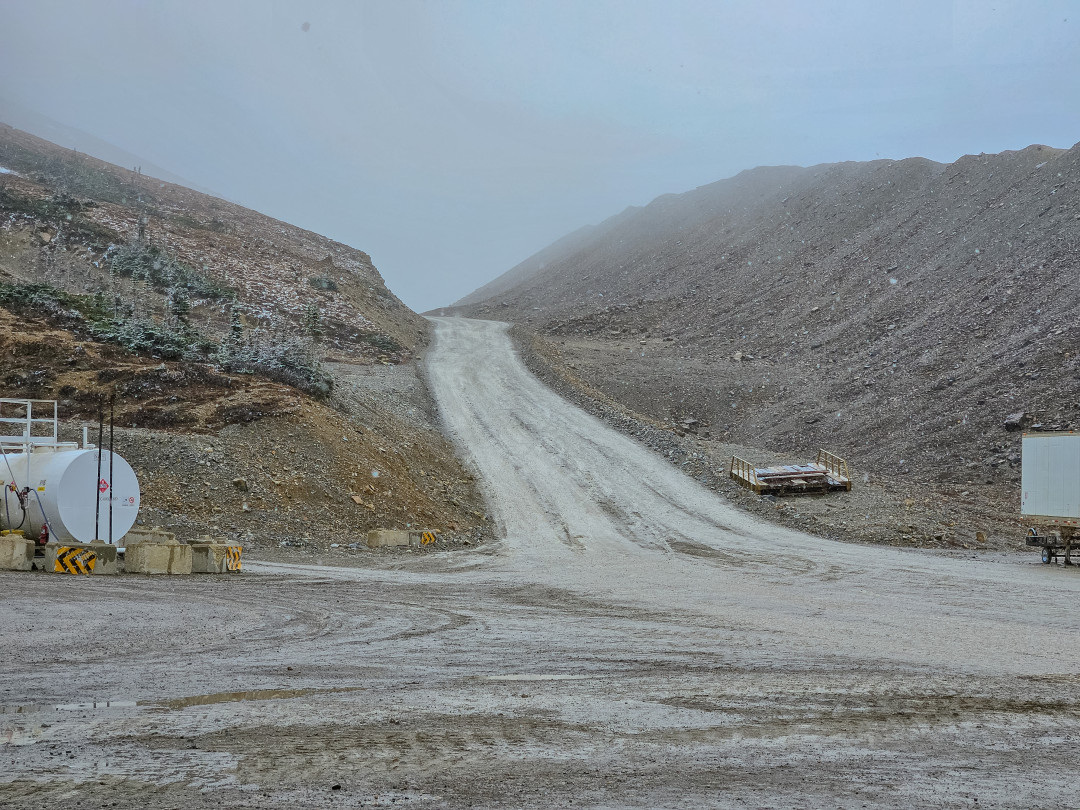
column 265, row 377
column 70, row 214
column 894, row 311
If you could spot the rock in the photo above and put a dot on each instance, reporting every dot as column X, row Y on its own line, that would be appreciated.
column 1017, row 421
column 239, row 483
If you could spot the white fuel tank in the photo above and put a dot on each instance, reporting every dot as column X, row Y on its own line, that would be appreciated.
column 65, row 487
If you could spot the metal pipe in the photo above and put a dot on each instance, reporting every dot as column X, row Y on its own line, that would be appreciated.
column 112, row 414
column 97, row 483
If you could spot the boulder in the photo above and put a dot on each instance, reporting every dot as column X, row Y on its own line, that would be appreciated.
column 1017, row 421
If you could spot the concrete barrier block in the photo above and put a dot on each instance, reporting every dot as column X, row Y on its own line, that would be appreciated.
column 422, row 537
column 158, row 558
column 155, row 534
column 81, row 558
column 16, row 552
column 377, row 538
column 215, row 558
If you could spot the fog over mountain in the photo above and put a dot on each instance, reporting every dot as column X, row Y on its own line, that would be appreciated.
column 450, row 140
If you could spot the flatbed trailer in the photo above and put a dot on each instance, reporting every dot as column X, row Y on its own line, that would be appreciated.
column 1050, row 483
column 828, row 472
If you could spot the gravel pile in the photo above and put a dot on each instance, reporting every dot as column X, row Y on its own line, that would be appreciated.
column 908, row 315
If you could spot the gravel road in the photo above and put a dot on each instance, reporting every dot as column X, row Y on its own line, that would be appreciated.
column 634, row 641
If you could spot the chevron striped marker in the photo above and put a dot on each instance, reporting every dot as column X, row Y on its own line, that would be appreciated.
column 74, row 560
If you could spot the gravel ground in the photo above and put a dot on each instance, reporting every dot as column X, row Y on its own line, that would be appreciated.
column 634, row 641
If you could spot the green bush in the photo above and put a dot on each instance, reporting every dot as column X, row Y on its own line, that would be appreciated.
column 292, row 362
column 162, row 270
column 383, row 343
column 45, row 300
column 147, row 337
column 61, row 211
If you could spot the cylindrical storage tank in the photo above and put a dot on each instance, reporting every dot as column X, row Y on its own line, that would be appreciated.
column 66, row 488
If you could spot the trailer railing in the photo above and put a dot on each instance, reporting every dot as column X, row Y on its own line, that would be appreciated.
column 742, row 470
column 833, row 465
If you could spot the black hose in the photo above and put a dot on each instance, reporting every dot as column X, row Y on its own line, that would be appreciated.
column 14, row 488
column 21, row 506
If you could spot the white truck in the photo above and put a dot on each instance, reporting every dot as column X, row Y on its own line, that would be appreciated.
column 1050, row 483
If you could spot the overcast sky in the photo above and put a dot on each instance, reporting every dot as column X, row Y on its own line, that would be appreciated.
column 450, row 140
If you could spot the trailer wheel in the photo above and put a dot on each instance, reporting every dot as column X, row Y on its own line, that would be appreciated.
column 1047, row 555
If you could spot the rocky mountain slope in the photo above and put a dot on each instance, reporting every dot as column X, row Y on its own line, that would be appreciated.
column 266, row 379
column 897, row 312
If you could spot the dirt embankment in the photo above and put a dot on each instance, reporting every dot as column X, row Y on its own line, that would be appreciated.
column 891, row 510
column 912, row 317
column 895, row 310
column 233, row 344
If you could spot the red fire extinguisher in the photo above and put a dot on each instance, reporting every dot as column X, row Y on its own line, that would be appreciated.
column 43, row 537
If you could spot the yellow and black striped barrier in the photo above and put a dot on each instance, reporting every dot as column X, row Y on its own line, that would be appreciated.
column 232, row 558
column 73, row 560
column 427, row 538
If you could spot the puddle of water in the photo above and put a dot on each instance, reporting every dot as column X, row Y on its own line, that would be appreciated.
column 177, row 703
column 237, row 697
column 27, row 708
column 536, row 677
column 34, row 708
column 97, row 705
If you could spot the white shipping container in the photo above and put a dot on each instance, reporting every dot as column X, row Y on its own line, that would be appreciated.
column 1050, row 477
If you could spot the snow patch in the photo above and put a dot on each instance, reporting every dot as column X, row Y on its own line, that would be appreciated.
column 5, row 171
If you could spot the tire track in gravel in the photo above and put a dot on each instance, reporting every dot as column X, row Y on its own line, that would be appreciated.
column 554, row 472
